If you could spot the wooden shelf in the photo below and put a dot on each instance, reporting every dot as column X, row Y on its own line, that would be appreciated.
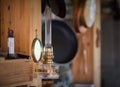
column 16, row 72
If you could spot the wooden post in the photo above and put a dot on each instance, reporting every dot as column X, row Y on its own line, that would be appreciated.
column 97, row 47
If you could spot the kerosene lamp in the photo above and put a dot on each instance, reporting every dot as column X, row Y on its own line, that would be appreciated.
column 47, row 69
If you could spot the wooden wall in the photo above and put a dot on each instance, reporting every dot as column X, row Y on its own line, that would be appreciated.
column 23, row 16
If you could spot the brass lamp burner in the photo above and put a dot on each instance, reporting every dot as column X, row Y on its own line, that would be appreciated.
column 48, row 56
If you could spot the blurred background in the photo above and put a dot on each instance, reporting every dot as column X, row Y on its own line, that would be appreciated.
column 88, row 54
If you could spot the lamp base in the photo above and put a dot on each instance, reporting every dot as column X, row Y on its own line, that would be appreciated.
column 48, row 71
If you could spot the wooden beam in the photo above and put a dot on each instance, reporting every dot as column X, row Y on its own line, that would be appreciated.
column 97, row 47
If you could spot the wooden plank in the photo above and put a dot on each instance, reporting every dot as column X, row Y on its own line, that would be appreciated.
column 2, row 58
column 0, row 25
column 12, row 71
column 97, row 47
column 36, row 83
column 79, row 63
column 4, row 21
column 35, row 20
column 22, row 26
column 23, row 84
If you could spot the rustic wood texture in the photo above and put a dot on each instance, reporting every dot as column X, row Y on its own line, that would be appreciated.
column 97, row 47
column 36, row 83
column 23, row 84
column 15, row 71
column 35, row 20
column 23, row 16
column 93, row 46
column 79, row 63
column 0, row 25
